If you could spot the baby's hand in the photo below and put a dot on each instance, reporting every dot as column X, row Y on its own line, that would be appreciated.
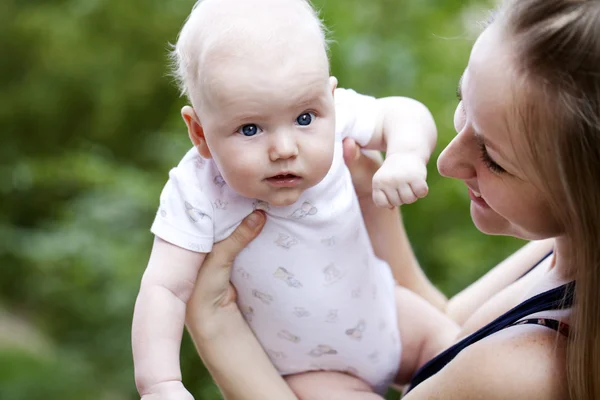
column 400, row 180
column 168, row 391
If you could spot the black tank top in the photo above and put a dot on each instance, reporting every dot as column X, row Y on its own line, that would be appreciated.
column 554, row 299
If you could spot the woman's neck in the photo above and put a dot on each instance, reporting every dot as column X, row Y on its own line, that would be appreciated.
column 562, row 268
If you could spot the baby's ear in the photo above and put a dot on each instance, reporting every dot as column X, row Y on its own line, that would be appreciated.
column 195, row 131
column 333, row 83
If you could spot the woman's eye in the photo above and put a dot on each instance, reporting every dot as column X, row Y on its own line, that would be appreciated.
column 305, row 119
column 249, row 130
column 489, row 163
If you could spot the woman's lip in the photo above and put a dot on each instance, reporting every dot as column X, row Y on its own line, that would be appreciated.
column 477, row 200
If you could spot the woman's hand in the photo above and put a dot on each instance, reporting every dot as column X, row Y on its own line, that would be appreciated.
column 212, row 303
column 225, row 342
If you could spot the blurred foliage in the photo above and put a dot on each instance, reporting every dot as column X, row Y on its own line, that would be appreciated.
column 90, row 127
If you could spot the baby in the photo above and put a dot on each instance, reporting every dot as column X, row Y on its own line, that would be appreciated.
column 267, row 124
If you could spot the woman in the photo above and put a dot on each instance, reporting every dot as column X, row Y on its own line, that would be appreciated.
column 528, row 150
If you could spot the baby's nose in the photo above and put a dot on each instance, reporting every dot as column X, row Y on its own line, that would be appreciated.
column 283, row 146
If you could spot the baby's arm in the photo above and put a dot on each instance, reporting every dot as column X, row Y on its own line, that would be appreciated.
column 407, row 133
column 159, row 318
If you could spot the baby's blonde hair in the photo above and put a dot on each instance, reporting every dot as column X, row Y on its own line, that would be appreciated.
column 194, row 39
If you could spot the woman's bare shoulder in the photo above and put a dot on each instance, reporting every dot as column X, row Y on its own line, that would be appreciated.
column 521, row 362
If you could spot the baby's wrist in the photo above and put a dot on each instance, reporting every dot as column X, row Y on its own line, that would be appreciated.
column 161, row 389
column 415, row 154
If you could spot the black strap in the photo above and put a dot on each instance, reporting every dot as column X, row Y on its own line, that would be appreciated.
column 554, row 299
column 554, row 324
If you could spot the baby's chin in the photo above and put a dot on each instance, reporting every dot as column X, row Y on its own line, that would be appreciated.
column 287, row 197
column 284, row 199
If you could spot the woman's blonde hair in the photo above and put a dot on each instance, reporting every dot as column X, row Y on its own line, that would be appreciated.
column 556, row 44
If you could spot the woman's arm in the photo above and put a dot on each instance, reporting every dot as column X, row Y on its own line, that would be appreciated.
column 237, row 362
column 391, row 244
column 464, row 304
column 386, row 229
column 424, row 330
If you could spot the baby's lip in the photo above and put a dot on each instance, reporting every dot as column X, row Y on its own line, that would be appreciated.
column 284, row 175
column 284, row 180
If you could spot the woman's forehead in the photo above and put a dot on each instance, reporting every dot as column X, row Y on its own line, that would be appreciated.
column 488, row 82
column 492, row 93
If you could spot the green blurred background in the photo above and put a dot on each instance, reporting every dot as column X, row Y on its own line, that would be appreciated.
column 89, row 128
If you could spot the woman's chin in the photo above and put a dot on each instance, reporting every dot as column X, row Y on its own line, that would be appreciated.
column 487, row 221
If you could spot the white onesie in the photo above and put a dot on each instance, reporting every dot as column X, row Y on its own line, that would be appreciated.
column 309, row 286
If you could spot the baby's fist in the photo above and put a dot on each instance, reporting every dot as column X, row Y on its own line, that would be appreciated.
column 400, row 180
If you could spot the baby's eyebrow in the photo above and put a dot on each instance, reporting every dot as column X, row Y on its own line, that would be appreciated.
column 307, row 98
column 308, row 101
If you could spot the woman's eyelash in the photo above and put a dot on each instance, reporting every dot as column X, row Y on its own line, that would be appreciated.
column 487, row 160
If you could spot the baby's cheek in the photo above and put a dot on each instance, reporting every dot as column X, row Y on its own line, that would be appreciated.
column 321, row 156
column 238, row 166
column 243, row 169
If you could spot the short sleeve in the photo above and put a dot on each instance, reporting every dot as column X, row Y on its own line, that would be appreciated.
column 185, row 215
column 357, row 115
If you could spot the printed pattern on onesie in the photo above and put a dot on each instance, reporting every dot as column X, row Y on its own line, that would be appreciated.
column 309, row 285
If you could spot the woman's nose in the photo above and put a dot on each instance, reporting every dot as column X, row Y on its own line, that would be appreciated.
column 283, row 146
column 457, row 159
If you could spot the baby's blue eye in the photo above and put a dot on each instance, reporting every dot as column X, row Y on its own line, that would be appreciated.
column 305, row 119
column 249, row 130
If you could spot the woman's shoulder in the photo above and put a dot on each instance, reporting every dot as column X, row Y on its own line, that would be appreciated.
column 521, row 362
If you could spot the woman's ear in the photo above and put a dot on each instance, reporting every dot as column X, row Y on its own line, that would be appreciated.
column 195, row 131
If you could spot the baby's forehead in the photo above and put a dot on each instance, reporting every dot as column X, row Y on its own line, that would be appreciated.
column 241, row 79
column 264, row 48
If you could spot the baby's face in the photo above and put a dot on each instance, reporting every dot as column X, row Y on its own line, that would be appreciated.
column 270, row 127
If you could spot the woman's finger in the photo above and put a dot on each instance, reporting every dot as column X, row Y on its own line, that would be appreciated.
column 212, row 287
column 224, row 252
column 351, row 151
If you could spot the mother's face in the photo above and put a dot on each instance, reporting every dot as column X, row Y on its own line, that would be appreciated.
column 488, row 153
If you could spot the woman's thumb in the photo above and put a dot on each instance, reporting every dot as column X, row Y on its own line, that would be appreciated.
column 362, row 165
column 351, row 152
column 212, row 285
column 224, row 252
